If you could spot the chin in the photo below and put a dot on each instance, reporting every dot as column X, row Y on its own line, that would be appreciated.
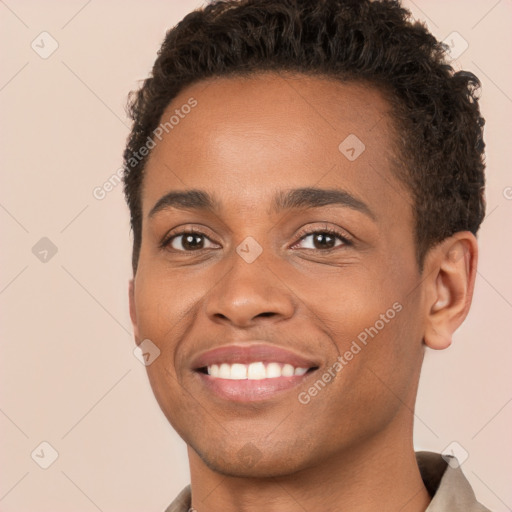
column 250, row 461
column 262, row 469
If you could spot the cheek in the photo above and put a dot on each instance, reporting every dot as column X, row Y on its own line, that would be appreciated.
column 163, row 315
column 347, row 302
column 373, row 320
column 386, row 368
column 163, row 301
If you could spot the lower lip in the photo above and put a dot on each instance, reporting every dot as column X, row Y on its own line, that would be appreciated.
column 249, row 390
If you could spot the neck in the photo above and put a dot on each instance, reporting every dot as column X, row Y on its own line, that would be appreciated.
column 378, row 474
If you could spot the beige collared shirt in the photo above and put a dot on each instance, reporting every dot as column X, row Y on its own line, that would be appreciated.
column 445, row 482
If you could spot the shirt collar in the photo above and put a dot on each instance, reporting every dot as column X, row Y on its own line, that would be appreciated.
column 441, row 474
column 447, row 485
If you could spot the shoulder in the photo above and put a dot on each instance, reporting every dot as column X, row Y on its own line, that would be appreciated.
column 446, row 483
column 182, row 502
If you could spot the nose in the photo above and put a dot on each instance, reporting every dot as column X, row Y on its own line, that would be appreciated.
column 249, row 293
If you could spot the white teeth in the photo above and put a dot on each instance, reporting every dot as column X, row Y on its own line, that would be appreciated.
column 238, row 371
column 288, row 370
column 273, row 370
column 254, row 371
column 224, row 371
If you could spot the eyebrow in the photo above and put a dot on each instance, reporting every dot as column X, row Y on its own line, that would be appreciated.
column 307, row 197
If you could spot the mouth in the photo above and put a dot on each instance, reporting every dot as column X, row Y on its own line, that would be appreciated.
column 252, row 373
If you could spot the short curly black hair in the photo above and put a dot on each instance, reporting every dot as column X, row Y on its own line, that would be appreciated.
column 435, row 109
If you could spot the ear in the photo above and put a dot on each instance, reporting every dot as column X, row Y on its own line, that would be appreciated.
column 133, row 312
column 451, row 271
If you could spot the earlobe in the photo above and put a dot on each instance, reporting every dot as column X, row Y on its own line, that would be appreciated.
column 452, row 272
column 133, row 313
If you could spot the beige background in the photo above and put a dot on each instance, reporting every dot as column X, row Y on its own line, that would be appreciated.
column 68, row 375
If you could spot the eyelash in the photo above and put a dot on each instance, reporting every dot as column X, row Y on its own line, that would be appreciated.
column 330, row 231
column 326, row 230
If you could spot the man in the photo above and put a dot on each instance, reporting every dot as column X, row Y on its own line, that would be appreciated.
column 305, row 182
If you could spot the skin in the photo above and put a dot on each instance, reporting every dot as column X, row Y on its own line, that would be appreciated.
column 350, row 447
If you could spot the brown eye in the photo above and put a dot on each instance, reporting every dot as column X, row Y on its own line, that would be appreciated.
column 188, row 241
column 323, row 240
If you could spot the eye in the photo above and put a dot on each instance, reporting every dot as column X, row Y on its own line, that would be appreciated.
column 188, row 241
column 324, row 239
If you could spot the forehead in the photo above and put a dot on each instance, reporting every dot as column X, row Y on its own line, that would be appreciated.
column 247, row 137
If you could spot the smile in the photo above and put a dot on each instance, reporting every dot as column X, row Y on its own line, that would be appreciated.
column 251, row 372
column 254, row 371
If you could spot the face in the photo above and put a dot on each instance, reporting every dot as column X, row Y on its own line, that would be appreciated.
column 283, row 294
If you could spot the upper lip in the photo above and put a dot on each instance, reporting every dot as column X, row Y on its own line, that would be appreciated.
column 251, row 353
